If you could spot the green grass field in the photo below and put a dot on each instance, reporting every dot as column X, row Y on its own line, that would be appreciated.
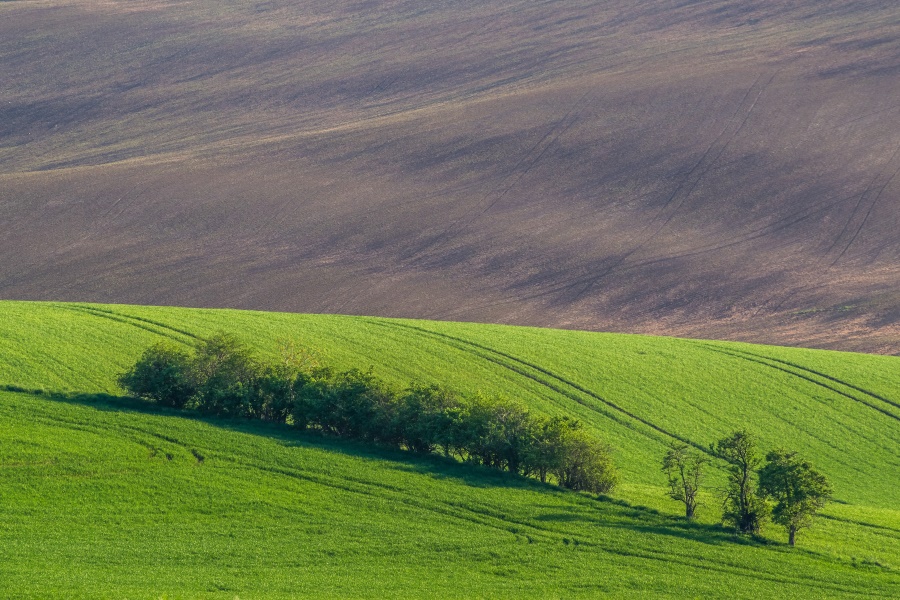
column 102, row 496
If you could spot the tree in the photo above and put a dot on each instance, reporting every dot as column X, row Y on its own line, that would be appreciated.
column 587, row 463
column 426, row 417
column 742, row 507
column 546, row 452
column 277, row 384
column 225, row 374
column 511, row 434
column 685, row 472
column 798, row 490
column 162, row 374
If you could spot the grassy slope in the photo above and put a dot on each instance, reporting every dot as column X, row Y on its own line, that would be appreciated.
column 105, row 497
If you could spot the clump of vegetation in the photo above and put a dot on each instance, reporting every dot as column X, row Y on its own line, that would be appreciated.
column 684, row 470
column 164, row 374
column 743, row 508
column 797, row 488
column 222, row 377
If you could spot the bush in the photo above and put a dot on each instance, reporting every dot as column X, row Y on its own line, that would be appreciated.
column 502, row 432
column 226, row 376
column 162, row 374
column 430, row 417
column 546, row 454
column 586, row 464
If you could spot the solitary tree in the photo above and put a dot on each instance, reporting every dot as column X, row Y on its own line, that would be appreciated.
column 685, row 472
column 798, row 490
column 742, row 507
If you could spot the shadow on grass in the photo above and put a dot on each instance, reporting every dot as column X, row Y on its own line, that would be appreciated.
column 611, row 512
column 432, row 465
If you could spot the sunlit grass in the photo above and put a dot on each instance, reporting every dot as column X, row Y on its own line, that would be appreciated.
column 105, row 496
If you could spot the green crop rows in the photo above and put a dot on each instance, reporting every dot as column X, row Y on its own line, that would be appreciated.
column 102, row 496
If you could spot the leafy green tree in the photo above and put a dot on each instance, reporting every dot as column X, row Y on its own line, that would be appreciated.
column 476, row 435
column 546, row 452
column 799, row 491
column 162, row 374
column 352, row 403
column 372, row 413
column 510, row 434
column 684, row 470
column 275, row 392
column 277, row 384
column 742, row 507
column 426, row 418
column 225, row 374
column 587, row 463
column 309, row 394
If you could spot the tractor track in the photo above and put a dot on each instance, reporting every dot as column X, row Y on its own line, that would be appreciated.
column 554, row 382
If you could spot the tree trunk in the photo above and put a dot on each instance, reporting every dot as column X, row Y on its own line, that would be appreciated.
column 791, row 533
column 689, row 512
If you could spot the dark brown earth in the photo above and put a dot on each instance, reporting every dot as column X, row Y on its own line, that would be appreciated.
column 715, row 168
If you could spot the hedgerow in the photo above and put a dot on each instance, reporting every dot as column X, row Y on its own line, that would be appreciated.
column 222, row 377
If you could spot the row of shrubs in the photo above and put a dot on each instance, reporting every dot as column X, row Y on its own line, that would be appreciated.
column 223, row 377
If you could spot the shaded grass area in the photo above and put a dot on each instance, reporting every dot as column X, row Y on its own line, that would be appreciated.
column 103, row 482
column 269, row 513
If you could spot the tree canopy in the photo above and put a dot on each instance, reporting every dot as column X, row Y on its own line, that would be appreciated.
column 742, row 507
column 222, row 377
column 797, row 488
column 684, row 470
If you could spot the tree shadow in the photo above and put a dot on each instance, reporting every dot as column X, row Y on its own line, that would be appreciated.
column 589, row 509
column 431, row 465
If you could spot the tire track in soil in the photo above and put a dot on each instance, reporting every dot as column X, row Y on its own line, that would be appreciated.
column 135, row 433
column 761, row 232
column 529, row 370
column 733, row 127
column 871, row 207
column 504, row 524
column 363, row 487
column 755, row 234
column 852, row 386
column 531, row 158
column 128, row 433
column 486, row 517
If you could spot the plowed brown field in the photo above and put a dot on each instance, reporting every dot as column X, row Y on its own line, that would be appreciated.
column 714, row 168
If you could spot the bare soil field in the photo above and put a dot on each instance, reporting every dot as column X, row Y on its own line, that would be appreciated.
column 714, row 168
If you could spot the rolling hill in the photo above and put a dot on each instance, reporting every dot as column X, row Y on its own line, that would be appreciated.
column 711, row 169
column 106, row 496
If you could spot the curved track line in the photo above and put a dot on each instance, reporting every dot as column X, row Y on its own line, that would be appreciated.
column 810, row 377
column 487, row 517
column 823, row 376
column 866, row 218
column 690, row 182
column 138, row 322
column 521, row 367
column 872, row 184
column 517, row 173
column 761, row 232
